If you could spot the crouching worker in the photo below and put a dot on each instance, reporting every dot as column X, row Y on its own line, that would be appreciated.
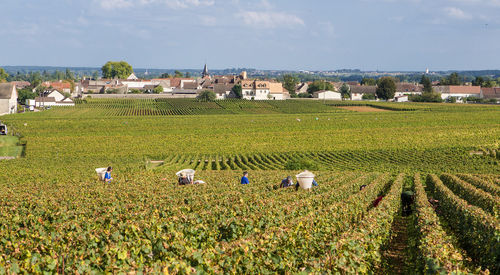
column 407, row 201
column 184, row 180
column 107, row 175
column 286, row 182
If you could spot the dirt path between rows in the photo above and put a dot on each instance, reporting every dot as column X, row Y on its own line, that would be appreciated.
column 362, row 109
column 395, row 255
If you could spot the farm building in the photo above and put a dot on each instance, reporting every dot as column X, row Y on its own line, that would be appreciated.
column 458, row 92
column 53, row 98
column 222, row 91
column 491, row 93
column 8, row 98
column 401, row 98
column 357, row 91
column 327, row 95
column 408, row 89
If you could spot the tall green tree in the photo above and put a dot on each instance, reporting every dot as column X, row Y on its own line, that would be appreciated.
column 426, row 81
column 290, row 82
column 3, row 75
column 25, row 93
column 452, row 79
column 345, row 91
column 69, row 75
column 368, row 81
column 206, row 95
column 386, row 88
column 320, row 85
column 237, row 91
column 158, row 89
column 116, row 69
column 178, row 74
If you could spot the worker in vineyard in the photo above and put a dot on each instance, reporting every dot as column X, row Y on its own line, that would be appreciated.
column 362, row 187
column 107, row 175
column 377, row 201
column 407, row 198
column 244, row 179
column 184, row 180
column 287, row 182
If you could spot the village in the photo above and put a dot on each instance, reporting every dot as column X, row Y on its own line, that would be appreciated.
column 63, row 93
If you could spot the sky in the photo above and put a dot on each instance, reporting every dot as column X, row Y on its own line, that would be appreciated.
column 386, row 35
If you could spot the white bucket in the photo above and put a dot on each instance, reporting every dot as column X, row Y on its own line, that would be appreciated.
column 189, row 173
column 305, row 179
column 101, row 172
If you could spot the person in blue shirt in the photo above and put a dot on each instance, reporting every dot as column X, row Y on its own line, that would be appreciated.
column 286, row 182
column 107, row 175
column 244, row 179
column 314, row 184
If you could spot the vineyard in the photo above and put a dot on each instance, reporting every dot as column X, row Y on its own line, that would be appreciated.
column 56, row 217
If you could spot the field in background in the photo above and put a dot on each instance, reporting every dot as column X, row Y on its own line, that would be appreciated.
column 55, row 216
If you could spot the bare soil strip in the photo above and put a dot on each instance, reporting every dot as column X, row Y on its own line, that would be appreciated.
column 363, row 109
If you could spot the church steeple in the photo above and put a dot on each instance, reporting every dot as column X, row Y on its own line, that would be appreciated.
column 205, row 72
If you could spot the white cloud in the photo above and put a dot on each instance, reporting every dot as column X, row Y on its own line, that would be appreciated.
column 457, row 13
column 208, row 21
column 270, row 19
column 175, row 4
column 115, row 4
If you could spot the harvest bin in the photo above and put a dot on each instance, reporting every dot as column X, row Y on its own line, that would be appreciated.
column 305, row 179
column 101, row 172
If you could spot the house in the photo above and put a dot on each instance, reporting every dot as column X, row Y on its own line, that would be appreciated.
column 302, row 88
column 490, row 93
column 132, row 76
column 61, row 86
column 222, row 91
column 53, row 98
column 255, row 89
column 8, row 98
column 408, row 89
column 357, row 91
column 191, row 86
column 277, row 92
column 331, row 95
column 458, row 92
column 401, row 98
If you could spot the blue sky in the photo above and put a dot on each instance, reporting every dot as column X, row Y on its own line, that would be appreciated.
column 265, row 34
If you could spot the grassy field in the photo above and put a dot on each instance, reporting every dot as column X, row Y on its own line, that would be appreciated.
column 56, row 216
column 9, row 147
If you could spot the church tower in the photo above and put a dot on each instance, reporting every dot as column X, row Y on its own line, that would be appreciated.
column 205, row 72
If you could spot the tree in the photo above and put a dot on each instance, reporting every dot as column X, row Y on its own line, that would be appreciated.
column 116, row 69
column 178, row 74
column 158, row 89
column 452, row 79
column 345, row 91
column 426, row 81
column 320, row 85
column 206, row 95
column 368, row 81
column 95, row 75
column 386, row 88
column 479, row 81
column 290, row 82
column 164, row 75
column 3, row 75
column 69, row 75
column 188, row 74
column 237, row 91
column 24, row 94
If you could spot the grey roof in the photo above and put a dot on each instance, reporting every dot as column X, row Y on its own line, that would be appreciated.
column 6, row 90
column 363, row 89
column 45, row 99
column 222, row 88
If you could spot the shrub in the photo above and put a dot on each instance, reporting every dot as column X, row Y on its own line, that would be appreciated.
column 301, row 164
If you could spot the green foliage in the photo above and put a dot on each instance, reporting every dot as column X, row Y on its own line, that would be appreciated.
column 119, row 70
column 320, row 85
column 426, row 81
column 345, row 91
column 3, row 75
column 237, row 91
column 164, row 75
column 158, row 89
column 134, row 91
column 301, row 164
column 178, row 74
column 206, row 95
column 386, row 88
column 368, row 97
column 290, row 82
column 452, row 79
column 368, row 81
column 426, row 97
column 25, row 93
